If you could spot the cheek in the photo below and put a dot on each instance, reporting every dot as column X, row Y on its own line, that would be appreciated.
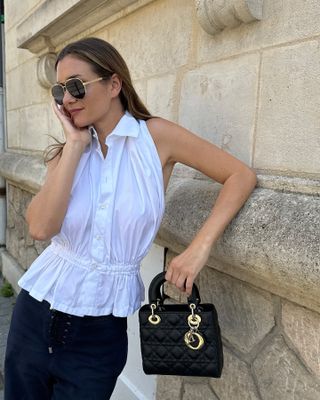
column 93, row 112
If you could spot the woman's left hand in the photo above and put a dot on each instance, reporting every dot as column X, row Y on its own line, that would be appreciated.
column 184, row 268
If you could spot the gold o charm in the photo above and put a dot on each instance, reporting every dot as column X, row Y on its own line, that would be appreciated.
column 154, row 319
column 194, row 320
column 189, row 340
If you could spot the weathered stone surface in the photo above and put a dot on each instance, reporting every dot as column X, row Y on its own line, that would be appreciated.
column 25, row 170
column 260, row 245
column 283, row 21
column 197, row 392
column 140, row 87
column 36, row 118
column 288, row 121
column 157, row 58
column 161, row 96
column 14, row 14
column 29, row 86
column 280, row 374
column 236, row 381
column 169, row 387
column 216, row 16
column 29, row 255
column 13, row 126
column 19, row 243
column 207, row 105
column 290, row 184
column 245, row 314
column 14, row 56
column 303, row 328
column 11, row 270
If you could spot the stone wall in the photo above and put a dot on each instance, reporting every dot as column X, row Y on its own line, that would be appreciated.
column 245, row 75
column 19, row 243
column 271, row 345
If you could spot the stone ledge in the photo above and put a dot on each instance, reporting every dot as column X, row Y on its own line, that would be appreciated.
column 272, row 243
column 55, row 22
column 26, row 170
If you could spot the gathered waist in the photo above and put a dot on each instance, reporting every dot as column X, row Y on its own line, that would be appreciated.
column 92, row 264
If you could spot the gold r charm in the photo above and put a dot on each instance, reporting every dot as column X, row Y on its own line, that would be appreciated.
column 193, row 340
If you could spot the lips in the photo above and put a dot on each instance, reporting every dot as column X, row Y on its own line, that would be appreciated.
column 75, row 110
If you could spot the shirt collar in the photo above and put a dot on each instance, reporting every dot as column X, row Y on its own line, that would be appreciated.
column 127, row 126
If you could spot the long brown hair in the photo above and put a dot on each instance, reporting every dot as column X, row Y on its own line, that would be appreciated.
column 105, row 60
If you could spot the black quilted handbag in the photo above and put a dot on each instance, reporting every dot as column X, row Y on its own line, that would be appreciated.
column 179, row 339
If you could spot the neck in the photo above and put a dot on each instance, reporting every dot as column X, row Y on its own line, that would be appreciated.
column 105, row 127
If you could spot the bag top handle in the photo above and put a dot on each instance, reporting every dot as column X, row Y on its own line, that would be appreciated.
column 156, row 297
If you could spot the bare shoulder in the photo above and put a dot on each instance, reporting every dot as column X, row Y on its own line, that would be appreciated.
column 181, row 145
column 159, row 127
column 168, row 135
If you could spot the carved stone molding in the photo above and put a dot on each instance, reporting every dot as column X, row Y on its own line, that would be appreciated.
column 216, row 15
column 55, row 22
column 46, row 72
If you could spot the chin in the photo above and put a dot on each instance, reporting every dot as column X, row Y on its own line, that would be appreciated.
column 80, row 123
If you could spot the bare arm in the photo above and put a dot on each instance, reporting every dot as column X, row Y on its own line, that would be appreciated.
column 47, row 209
column 179, row 145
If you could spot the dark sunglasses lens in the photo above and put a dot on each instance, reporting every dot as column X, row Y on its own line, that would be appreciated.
column 57, row 93
column 75, row 88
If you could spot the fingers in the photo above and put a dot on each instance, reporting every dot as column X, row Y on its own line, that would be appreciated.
column 182, row 279
column 60, row 113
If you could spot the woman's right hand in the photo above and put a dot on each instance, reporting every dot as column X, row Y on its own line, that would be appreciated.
column 72, row 133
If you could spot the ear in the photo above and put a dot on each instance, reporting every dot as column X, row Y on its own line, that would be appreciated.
column 116, row 85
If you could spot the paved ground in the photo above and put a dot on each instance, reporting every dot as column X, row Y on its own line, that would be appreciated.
column 6, row 306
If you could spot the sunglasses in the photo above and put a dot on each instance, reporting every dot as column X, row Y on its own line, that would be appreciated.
column 75, row 86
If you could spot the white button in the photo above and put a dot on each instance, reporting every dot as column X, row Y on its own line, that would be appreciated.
column 102, row 206
column 98, row 237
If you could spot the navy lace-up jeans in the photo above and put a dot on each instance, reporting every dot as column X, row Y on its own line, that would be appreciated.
column 56, row 356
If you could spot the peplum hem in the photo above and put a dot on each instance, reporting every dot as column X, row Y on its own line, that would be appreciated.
column 81, row 287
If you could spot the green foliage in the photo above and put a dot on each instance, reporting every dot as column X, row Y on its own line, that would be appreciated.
column 6, row 290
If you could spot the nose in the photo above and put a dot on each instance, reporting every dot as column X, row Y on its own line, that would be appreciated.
column 67, row 98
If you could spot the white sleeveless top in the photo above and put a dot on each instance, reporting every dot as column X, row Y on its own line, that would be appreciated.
column 116, row 206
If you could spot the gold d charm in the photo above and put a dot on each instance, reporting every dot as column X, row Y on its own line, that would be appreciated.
column 193, row 340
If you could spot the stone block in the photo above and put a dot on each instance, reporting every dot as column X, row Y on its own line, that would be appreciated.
column 140, row 87
column 29, row 255
column 23, row 88
column 287, row 124
column 236, row 381
column 218, row 102
column 282, row 22
column 14, row 56
column 198, row 392
column 160, row 27
column 54, row 127
column 11, row 270
column 34, row 119
column 15, row 14
column 280, row 374
column 161, row 96
column 302, row 326
column 13, row 126
column 169, row 387
column 27, row 171
column 245, row 314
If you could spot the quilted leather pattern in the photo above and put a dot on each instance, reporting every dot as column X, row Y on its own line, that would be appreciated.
column 163, row 348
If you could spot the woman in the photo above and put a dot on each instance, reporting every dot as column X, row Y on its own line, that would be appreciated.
column 101, row 204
